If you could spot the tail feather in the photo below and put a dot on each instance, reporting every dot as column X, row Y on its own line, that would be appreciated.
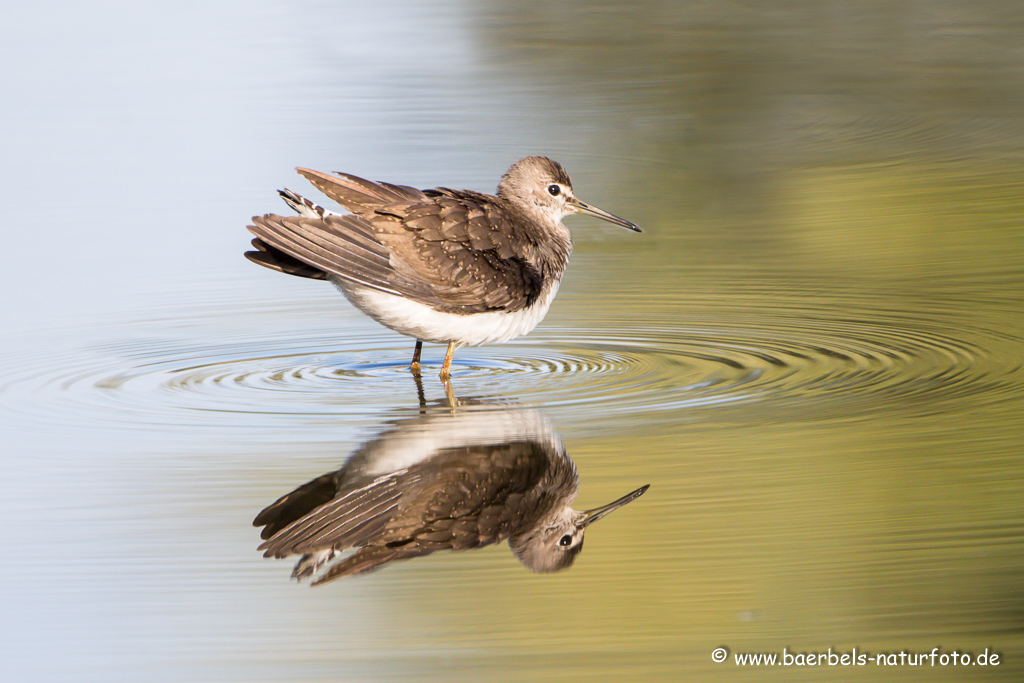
column 275, row 259
column 339, row 246
column 304, row 207
column 310, row 563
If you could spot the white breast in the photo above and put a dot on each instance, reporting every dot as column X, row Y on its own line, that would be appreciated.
column 426, row 324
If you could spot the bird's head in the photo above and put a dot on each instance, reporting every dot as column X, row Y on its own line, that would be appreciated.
column 541, row 188
column 557, row 539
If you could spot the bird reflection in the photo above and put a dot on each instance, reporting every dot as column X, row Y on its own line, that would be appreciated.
column 443, row 481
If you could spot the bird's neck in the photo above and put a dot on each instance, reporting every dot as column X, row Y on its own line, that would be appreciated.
column 553, row 253
column 545, row 243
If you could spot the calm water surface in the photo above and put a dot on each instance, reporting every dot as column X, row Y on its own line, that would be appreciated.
column 814, row 353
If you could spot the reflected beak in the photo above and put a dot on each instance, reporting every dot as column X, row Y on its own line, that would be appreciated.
column 583, row 207
column 591, row 516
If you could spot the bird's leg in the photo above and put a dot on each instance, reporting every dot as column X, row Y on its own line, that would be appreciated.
column 415, row 364
column 445, row 374
column 453, row 402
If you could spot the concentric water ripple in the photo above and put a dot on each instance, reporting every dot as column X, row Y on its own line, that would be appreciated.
column 796, row 366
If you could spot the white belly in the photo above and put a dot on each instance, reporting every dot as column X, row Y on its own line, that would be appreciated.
column 424, row 323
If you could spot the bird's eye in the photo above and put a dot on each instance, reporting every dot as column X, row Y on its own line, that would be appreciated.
column 554, row 190
column 567, row 539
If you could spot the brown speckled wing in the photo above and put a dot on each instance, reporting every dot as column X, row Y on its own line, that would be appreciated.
column 358, row 195
column 461, row 244
column 450, row 250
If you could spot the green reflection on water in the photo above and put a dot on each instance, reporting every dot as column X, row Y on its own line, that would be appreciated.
column 805, row 165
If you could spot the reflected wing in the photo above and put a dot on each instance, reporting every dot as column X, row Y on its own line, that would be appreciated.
column 463, row 497
column 351, row 519
column 474, row 496
column 366, row 560
column 297, row 504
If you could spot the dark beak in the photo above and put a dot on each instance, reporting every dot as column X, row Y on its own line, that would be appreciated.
column 583, row 207
column 591, row 516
